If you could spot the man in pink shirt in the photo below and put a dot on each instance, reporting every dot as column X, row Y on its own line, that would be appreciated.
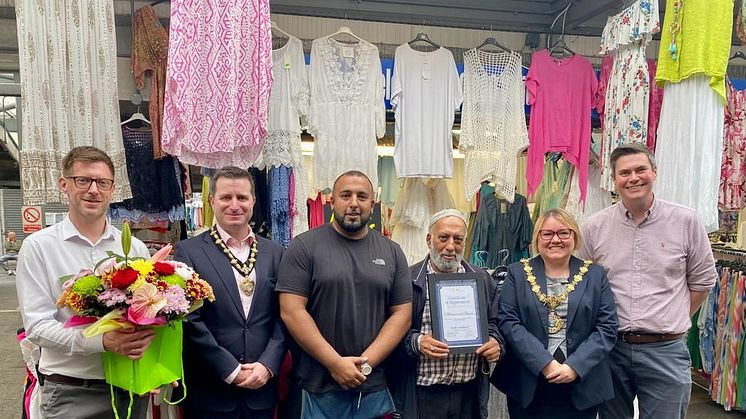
column 661, row 268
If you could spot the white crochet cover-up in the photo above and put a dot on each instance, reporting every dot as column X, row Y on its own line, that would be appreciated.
column 493, row 121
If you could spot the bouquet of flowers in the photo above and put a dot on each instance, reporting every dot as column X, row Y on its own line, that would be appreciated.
column 122, row 292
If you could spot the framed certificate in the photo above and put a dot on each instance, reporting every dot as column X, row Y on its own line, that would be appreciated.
column 458, row 307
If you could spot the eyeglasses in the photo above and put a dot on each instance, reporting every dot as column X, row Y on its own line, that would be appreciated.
column 563, row 234
column 84, row 182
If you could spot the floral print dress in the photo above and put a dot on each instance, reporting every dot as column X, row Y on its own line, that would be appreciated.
column 625, row 113
column 733, row 168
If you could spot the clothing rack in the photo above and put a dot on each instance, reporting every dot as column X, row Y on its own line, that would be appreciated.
column 717, row 332
column 726, row 254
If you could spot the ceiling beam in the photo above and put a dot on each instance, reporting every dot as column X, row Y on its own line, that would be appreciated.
column 469, row 16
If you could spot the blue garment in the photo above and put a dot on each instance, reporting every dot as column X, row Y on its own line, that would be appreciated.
column 348, row 404
column 279, row 204
column 708, row 333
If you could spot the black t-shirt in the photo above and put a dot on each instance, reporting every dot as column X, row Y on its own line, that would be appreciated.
column 350, row 284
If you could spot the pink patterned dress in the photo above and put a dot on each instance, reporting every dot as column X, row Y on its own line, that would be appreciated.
column 218, row 81
column 733, row 167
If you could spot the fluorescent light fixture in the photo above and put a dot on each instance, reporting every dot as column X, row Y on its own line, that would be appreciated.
column 306, row 148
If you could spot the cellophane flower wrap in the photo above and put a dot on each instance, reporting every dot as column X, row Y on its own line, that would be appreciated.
column 123, row 292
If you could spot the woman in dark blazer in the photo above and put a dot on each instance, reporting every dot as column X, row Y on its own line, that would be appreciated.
column 558, row 318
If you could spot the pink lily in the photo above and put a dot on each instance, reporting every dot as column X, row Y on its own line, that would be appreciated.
column 162, row 254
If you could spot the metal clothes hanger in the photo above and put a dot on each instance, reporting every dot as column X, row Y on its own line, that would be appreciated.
column 560, row 45
column 422, row 37
column 738, row 54
column 491, row 41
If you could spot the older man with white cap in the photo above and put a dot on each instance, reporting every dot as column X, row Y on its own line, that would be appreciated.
column 427, row 380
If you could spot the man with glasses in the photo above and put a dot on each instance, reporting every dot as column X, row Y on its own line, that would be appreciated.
column 660, row 267
column 70, row 369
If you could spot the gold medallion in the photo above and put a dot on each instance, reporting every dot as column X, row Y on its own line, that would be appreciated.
column 247, row 286
column 556, row 323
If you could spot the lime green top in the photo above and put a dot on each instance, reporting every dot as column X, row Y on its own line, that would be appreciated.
column 703, row 44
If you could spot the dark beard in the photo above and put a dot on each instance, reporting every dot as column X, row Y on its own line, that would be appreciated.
column 351, row 227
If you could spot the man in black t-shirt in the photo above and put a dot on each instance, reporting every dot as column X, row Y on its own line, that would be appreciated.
column 345, row 296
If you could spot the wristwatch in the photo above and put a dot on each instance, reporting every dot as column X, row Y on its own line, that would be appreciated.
column 366, row 369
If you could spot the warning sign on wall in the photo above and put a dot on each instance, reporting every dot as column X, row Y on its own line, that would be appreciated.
column 31, row 217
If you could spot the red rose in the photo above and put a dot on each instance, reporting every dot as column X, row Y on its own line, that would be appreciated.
column 163, row 268
column 123, row 278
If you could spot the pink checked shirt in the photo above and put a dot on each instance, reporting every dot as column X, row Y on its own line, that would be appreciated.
column 652, row 266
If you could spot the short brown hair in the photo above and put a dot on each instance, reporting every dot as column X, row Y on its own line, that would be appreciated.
column 628, row 150
column 563, row 216
column 85, row 154
column 231, row 172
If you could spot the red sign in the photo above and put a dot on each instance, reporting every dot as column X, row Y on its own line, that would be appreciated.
column 31, row 217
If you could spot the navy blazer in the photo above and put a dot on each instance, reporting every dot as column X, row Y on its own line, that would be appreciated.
column 590, row 333
column 217, row 336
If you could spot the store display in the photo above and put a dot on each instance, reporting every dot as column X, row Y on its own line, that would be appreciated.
column 703, row 37
column 346, row 113
column 149, row 56
column 418, row 200
column 690, row 146
column 626, row 36
column 493, row 122
column 156, row 195
column 596, row 200
column 220, row 95
column 218, row 84
column 733, row 166
column 425, row 94
column 560, row 92
column 654, row 106
column 501, row 225
column 69, row 90
column 288, row 106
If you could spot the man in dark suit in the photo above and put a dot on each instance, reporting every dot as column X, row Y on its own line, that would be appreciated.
column 233, row 347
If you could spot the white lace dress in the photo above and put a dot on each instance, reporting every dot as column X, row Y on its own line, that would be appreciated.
column 288, row 105
column 425, row 94
column 418, row 200
column 69, row 90
column 347, row 111
column 627, row 35
column 493, row 121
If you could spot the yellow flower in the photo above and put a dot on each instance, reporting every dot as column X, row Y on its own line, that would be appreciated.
column 143, row 267
column 137, row 284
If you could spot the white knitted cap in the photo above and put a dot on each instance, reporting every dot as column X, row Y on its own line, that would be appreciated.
column 448, row 212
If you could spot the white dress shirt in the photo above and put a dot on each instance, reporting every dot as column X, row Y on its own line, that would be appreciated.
column 45, row 257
